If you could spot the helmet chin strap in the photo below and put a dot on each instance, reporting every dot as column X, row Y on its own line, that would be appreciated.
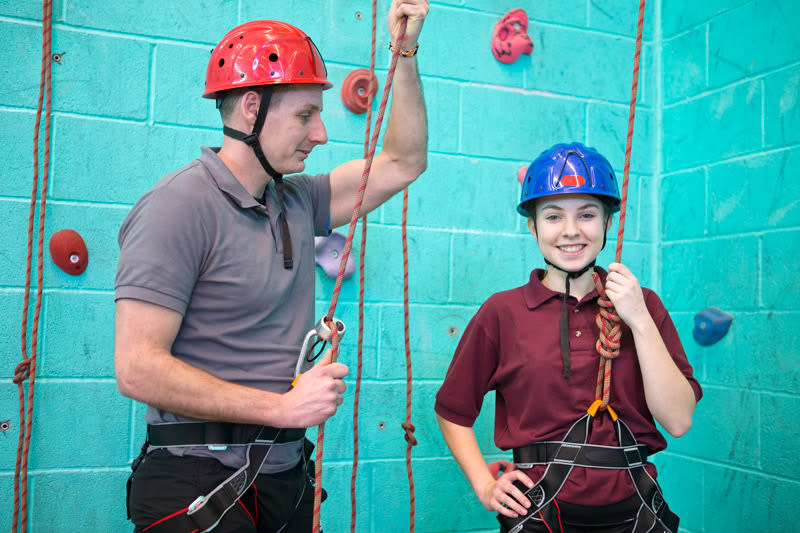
column 563, row 323
column 252, row 141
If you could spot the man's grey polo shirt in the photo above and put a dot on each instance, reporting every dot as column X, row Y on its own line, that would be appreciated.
column 199, row 244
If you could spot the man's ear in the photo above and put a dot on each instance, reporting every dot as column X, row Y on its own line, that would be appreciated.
column 248, row 105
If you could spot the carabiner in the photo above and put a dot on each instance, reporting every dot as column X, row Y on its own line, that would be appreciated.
column 320, row 334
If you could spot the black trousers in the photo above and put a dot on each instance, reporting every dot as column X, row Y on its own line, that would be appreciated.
column 164, row 484
column 562, row 517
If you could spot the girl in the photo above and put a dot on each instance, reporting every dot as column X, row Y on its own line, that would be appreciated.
column 576, row 468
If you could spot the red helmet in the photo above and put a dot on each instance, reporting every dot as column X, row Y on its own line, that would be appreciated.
column 264, row 52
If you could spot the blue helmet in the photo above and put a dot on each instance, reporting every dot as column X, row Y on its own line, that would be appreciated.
column 570, row 169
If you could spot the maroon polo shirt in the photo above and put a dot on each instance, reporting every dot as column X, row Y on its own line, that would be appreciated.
column 511, row 346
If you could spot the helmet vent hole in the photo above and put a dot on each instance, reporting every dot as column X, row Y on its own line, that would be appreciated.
column 230, row 45
column 273, row 57
column 241, row 74
column 221, row 62
column 301, row 72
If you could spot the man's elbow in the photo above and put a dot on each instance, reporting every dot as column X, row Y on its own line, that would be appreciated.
column 414, row 167
column 125, row 377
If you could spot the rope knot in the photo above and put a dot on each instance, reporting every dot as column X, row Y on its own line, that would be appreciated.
column 23, row 371
column 409, row 433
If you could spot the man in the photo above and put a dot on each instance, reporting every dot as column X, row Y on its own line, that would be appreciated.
column 215, row 286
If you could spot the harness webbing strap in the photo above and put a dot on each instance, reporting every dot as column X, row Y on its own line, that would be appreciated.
column 654, row 515
column 218, row 433
column 586, row 455
column 654, row 512
column 546, row 489
column 207, row 510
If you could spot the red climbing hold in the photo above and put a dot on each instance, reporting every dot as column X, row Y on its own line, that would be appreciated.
column 69, row 252
column 356, row 90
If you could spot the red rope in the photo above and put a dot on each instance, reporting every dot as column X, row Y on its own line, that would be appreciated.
column 26, row 369
column 408, row 427
column 607, row 319
column 362, row 255
column 343, row 263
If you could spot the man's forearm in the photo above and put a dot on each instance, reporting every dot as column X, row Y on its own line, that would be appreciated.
column 406, row 137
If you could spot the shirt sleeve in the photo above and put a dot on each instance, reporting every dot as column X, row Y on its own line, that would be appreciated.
column 161, row 250
column 319, row 191
column 669, row 334
column 468, row 378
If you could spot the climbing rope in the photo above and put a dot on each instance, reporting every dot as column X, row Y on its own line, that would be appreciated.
column 345, row 254
column 362, row 256
column 607, row 319
column 26, row 369
column 407, row 426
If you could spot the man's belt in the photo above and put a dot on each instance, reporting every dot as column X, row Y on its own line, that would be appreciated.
column 219, row 434
column 587, row 455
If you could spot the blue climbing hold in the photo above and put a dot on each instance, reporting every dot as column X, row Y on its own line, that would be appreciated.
column 710, row 325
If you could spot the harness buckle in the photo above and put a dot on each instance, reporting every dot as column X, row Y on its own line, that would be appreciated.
column 251, row 139
column 633, row 456
column 567, row 453
column 321, row 333
column 196, row 504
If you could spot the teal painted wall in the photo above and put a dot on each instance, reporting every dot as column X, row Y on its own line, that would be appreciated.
column 717, row 110
column 728, row 232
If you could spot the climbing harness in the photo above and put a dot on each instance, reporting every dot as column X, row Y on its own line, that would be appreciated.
column 561, row 456
column 653, row 514
column 206, row 511
column 26, row 369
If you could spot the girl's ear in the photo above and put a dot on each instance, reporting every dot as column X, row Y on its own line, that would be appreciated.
column 532, row 227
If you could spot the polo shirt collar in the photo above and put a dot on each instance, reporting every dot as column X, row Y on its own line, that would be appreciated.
column 228, row 183
column 536, row 293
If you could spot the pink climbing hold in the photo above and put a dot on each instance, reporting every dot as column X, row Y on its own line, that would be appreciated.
column 498, row 468
column 328, row 252
column 510, row 37
column 521, row 174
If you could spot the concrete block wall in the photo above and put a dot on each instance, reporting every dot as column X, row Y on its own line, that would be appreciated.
column 729, row 228
column 717, row 106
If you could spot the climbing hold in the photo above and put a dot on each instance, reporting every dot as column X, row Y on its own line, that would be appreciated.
column 710, row 325
column 69, row 252
column 521, row 174
column 510, row 37
column 498, row 468
column 356, row 90
column 328, row 252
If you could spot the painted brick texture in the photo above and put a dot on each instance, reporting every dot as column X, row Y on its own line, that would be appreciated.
column 713, row 215
column 729, row 227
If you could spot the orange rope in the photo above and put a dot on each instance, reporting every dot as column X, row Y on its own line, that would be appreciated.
column 27, row 367
column 607, row 319
column 407, row 426
column 348, row 245
column 362, row 256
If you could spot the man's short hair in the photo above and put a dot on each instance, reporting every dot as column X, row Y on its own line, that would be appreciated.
column 226, row 102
